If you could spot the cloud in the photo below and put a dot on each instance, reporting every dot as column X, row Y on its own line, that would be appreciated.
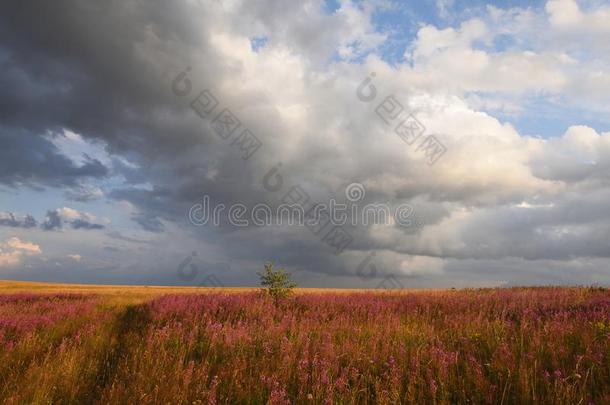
column 15, row 221
column 75, row 257
column 13, row 250
column 518, row 54
column 27, row 247
column 566, row 14
column 148, row 222
column 444, row 7
column 30, row 159
column 84, row 193
column 497, row 198
column 454, row 59
column 55, row 220
column 84, row 224
column 52, row 221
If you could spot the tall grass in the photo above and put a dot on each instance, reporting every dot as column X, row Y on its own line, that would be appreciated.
column 542, row 345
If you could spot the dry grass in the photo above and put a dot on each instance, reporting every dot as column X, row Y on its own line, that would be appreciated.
column 11, row 286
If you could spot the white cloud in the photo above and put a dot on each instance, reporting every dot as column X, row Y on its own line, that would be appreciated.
column 562, row 55
column 27, row 247
column 13, row 250
column 75, row 257
column 85, row 193
column 80, row 150
column 71, row 213
column 450, row 60
column 443, row 7
column 567, row 15
column 9, row 258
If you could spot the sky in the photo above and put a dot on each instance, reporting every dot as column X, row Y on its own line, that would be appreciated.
column 121, row 120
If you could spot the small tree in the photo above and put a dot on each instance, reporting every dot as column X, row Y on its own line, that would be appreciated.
column 276, row 282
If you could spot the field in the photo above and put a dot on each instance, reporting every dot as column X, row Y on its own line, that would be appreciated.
column 83, row 344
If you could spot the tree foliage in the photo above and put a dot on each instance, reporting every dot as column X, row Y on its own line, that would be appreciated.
column 276, row 283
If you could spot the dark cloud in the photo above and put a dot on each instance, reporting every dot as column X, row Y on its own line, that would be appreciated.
column 52, row 221
column 72, row 72
column 55, row 219
column 83, row 224
column 29, row 221
column 32, row 159
column 15, row 221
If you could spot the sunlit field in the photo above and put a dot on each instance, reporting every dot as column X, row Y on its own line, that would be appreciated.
column 93, row 344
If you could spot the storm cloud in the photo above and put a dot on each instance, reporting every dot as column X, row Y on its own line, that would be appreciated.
column 499, row 206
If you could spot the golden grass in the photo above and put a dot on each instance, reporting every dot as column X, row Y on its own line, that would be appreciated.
column 14, row 286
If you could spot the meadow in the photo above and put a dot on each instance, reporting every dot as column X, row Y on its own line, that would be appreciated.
column 84, row 344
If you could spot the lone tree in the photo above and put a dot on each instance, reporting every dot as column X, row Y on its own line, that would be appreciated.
column 277, row 283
